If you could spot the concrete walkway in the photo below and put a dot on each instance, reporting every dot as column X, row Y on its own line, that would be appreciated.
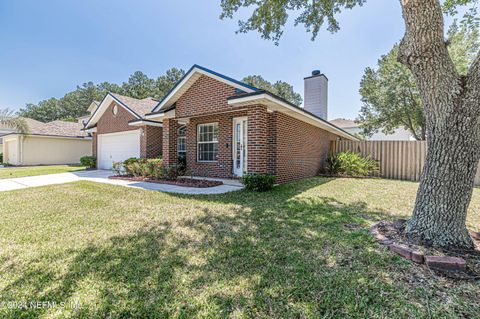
column 101, row 176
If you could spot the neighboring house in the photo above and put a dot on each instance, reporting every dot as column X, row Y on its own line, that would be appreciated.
column 350, row 126
column 55, row 142
column 224, row 127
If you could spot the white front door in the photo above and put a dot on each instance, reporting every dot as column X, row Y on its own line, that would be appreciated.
column 240, row 134
column 117, row 147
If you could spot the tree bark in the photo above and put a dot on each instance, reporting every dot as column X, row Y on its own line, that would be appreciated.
column 451, row 105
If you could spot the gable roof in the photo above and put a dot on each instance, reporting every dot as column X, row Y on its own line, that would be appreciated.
column 138, row 108
column 192, row 75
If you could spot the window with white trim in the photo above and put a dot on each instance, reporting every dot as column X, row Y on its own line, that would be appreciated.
column 207, row 142
column 182, row 141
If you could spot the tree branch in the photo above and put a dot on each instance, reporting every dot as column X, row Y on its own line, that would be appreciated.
column 424, row 52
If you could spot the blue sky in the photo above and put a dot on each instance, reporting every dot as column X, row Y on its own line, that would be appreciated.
column 49, row 47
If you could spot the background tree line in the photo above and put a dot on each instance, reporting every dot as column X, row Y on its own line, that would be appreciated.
column 75, row 104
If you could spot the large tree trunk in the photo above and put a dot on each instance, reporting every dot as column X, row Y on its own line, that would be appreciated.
column 451, row 105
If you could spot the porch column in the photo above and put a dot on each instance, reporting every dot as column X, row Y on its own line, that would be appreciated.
column 169, row 145
column 257, row 139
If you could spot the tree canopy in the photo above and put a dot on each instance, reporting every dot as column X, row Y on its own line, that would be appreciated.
column 280, row 88
column 75, row 104
column 390, row 95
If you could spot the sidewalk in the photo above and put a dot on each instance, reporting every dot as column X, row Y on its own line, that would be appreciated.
column 101, row 176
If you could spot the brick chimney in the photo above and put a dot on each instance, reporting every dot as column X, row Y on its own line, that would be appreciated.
column 316, row 94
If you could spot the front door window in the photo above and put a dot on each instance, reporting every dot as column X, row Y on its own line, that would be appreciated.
column 239, row 146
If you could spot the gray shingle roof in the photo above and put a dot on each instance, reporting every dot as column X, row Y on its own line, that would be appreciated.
column 59, row 128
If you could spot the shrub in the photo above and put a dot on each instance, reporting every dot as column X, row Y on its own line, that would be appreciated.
column 131, row 160
column 258, row 182
column 118, row 168
column 1, row 158
column 150, row 167
column 88, row 161
column 333, row 164
column 352, row 164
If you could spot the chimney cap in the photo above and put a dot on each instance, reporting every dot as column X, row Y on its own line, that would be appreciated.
column 316, row 72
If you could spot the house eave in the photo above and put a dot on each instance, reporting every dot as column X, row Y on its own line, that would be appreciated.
column 145, row 123
column 274, row 103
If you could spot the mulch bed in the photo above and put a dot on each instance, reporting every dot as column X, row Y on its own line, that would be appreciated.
column 185, row 182
column 392, row 235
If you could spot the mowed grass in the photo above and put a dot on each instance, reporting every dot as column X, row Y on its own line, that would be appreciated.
column 300, row 251
column 12, row 172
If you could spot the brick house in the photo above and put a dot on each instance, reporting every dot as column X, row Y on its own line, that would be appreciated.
column 223, row 127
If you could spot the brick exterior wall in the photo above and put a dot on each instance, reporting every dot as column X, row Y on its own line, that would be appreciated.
column 151, row 142
column 170, row 131
column 94, row 144
column 301, row 149
column 205, row 96
column 110, row 123
column 257, row 139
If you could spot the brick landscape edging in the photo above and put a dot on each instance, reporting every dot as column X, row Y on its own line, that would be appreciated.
column 442, row 263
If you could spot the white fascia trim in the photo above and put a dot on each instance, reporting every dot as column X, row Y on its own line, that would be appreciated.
column 155, row 116
column 159, row 117
column 192, row 72
column 267, row 97
column 91, row 130
column 104, row 105
column 147, row 123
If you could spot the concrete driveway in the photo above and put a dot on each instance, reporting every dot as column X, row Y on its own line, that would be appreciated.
column 101, row 176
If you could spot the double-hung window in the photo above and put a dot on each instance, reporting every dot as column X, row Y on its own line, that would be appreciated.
column 207, row 142
column 182, row 141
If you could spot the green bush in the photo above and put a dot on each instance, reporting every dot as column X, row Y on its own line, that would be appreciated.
column 333, row 164
column 142, row 167
column 351, row 164
column 258, row 182
column 88, row 161
column 1, row 158
column 118, row 168
column 151, row 167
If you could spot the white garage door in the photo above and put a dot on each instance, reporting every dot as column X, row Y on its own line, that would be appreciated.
column 117, row 147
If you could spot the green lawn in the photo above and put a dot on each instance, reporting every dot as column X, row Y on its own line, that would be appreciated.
column 300, row 251
column 12, row 172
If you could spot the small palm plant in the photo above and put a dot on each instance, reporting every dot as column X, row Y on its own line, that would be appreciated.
column 9, row 119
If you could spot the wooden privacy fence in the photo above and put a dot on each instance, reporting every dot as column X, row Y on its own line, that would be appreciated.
column 397, row 159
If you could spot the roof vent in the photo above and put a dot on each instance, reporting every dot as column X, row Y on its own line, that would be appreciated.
column 316, row 72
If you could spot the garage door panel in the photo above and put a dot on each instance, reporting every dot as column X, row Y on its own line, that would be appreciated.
column 117, row 147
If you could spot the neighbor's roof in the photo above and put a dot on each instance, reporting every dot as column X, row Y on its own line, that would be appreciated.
column 55, row 128
column 30, row 122
column 344, row 123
